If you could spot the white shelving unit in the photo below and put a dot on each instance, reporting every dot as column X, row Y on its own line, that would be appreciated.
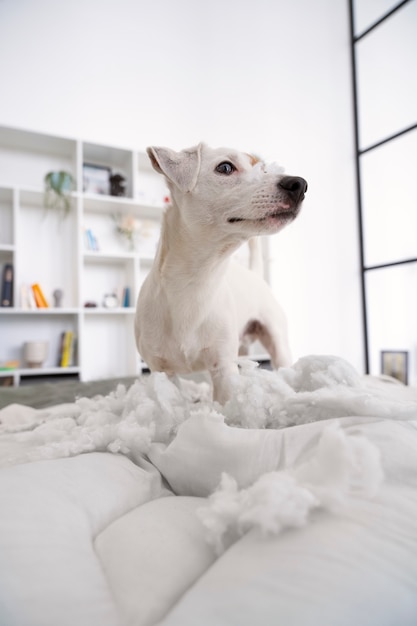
column 47, row 248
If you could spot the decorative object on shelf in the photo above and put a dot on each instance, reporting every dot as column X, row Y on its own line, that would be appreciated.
column 90, row 240
column 126, row 227
column 126, row 297
column 96, row 179
column 90, row 305
column 35, row 353
column 7, row 286
column 110, row 301
column 394, row 363
column 58, row 188
column 58, row 295
column 117, row 185
column 41, row 301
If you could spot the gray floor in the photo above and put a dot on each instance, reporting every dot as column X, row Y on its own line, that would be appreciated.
column 41, row 395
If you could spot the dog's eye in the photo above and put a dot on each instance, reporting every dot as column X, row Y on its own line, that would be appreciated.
column 225, row 168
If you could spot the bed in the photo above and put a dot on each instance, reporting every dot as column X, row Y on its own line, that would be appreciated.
column 294, row 504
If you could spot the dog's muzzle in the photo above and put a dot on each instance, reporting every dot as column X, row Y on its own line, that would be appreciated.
column 291, row 190
column 294, row 186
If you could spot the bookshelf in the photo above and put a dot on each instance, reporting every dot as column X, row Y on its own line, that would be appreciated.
column 47, row 248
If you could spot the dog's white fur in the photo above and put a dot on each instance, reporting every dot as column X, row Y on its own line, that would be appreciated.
column 197, row 305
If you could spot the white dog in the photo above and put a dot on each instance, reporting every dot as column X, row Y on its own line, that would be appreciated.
column 197, row 305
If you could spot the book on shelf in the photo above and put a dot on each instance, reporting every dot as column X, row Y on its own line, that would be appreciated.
column 39, row 296
column 7, row 286
column 27, row 299
column 66, row 350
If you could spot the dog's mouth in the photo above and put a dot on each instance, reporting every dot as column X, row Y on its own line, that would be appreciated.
column 281, row 214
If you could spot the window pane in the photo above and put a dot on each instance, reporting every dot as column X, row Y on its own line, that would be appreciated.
column 387, row 77
column 369, row 11
column 392, row 314
column 389, row 203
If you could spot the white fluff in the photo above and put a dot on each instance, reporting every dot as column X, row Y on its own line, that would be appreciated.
column 127, row 421
column 341, row 465
column 315, row 388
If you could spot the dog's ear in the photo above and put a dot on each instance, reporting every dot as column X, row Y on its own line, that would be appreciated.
column 181, row 168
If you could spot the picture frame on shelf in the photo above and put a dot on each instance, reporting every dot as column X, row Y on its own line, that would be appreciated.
column 96, row 179
column 394, row 363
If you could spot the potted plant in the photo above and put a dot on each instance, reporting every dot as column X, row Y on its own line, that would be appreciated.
column 58, row 188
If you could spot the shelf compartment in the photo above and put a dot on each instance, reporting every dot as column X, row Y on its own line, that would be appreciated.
column 47, row 250
column 102, row 227
column 15, row 330
column 25, row 157
column 104, row 274
column 118, row 160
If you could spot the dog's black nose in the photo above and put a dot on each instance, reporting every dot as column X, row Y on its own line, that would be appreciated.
column 295, row 186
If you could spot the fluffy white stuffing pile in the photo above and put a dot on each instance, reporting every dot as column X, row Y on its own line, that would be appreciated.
column 127, row 421
column 343, row 465
column 315, row 388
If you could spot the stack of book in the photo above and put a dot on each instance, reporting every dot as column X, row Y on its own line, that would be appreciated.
column 32, row 297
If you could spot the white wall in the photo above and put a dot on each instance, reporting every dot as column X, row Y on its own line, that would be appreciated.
column 268, row 77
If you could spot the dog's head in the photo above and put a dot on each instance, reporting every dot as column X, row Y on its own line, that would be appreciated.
column 229, row 189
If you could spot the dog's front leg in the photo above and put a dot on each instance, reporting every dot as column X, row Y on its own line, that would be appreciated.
column 222, row 377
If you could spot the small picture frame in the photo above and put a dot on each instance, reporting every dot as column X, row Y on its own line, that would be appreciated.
column 96, row 179
column 395, row 363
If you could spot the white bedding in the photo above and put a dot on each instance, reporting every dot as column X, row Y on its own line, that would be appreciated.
column 295, row 504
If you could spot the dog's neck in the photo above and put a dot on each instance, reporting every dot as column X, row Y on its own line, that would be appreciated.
column 181, row 254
